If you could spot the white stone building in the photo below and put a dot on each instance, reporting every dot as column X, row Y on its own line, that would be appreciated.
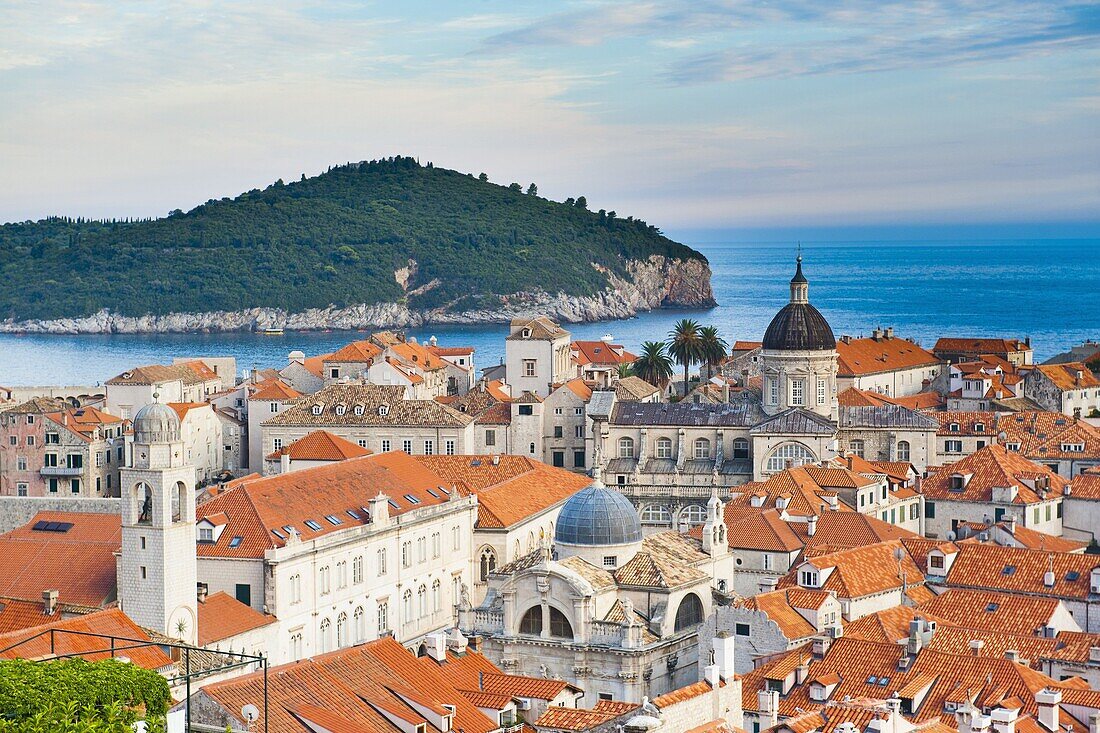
column 537, row 356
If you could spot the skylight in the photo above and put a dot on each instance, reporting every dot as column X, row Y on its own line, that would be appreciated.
column 432, row 492
column 278, row 534
column 393, row 504
column 235, row 542
column 1008, row 570
column 333, row 519
column 352, row 514
column 44, row 526
column 882, row 681
column 872, row 680
column 312, row 525
column 411, row 499
column 991, row 607
column 1072, row 575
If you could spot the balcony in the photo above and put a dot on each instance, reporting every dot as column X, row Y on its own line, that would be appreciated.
column 61, row 471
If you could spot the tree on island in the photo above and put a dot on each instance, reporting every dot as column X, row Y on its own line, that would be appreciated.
column 532, row 190
column 515, row 187
column 684, row 344
column 654, row 365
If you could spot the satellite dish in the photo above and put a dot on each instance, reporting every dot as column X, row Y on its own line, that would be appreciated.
column 250, row 713
column 950, row 536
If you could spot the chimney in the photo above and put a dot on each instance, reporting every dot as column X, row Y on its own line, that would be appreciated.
column 1004, row 719
column 1048, row 579
column 201, row 592
column 1010, row 524
column 725, row 392
column 768, row 584
column 710, row 674
column 801, row 672
column 284, row 461
column 1094, row 723
column 379, row 506
column 437, row 646
column 767, row 701
column 811, row 525
column 889, row 332
column 877, row 334
column 49, row 602
column 1049, row 702
column 976, row 646
column 724, row 655
column 1012, row 655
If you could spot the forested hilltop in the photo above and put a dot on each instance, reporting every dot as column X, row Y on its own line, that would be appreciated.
column 343, row 238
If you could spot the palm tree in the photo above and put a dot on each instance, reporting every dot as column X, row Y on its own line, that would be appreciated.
column 712, row 348
column 654, row 365
column 683, row 345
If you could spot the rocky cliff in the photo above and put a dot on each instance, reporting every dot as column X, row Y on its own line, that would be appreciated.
column 656, row 282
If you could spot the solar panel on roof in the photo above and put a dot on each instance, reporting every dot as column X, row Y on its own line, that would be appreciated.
column 40, row 526
column 46, row 526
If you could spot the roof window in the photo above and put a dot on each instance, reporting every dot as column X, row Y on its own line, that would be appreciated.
column 393, row 504
column 979, row 427
column 883, row 681
column 288, row 529
column 340, row 409
column 411, row 499
column 358, row 409
column 991, row 607
column 1008, row 570
column 433, row 493
column 316, row 409
column 44, row 526
column 235, row 542
column 334, row 520
column 313, row 525
column 1073, row 575
column 383, row 410
column 872, row 680
column 953, row 427
column 278, row 534
column 352, row 513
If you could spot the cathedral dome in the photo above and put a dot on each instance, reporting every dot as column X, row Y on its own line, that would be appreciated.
column 597, row 516
column 156, row 423
column 798, row 326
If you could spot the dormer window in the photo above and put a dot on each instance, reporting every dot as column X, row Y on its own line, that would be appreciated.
column 808, row 578
column 1073, row 447
column 1014, row 447
column 358, row 409
column 979, row 427
column 953, row 427
column 316, row 409
column 958, row 482
column 340, row 409
column 526, row 333
column 383, row 410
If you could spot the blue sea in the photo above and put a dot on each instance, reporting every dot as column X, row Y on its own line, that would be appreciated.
column 1047, row 289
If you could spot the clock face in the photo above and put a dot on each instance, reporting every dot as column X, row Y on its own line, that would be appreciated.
column 181, row 623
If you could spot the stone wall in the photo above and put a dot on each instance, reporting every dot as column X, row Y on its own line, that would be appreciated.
column 15, row 511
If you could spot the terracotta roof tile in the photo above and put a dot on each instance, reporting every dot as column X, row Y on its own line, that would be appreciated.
column 1064, row 376
column 321, row 445
column 978, row 346
column 16, row 614
column 1016, row 570
column 863, row 571
column 600, row 352
column 275, row 390
column 222, row 616
column 355, row 352
column 382, row 405
column 989, row 468
column 857, row 357
column 32, row 642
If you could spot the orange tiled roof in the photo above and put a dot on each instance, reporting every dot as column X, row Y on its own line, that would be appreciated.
column 580, row 388
column 858, row 357
column 1042, row 435
column 356, row 352
column 275, row 390
column 890, row 625
column 989, row 468
column 509, row 488
column 1087, row 486
column 17, row 614
column 222, row 616
column 968, row 423
column 599, row 352
column 1016, row 570
column 992, row 611
column 321, row 445
column 84, row 421
column 183, row 408
column 683, row 694
column 560, row 718
column 1064, row 376
column 354, row 688
column 977, row 346
column 33, row 643
column 153, row 374
column 259, row 508
column 417, row 355
column 782, row 607
column 863, row 571
column 853, row 397
column 79, row 563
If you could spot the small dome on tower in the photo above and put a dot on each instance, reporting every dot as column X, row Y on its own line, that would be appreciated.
column 597, row 516
column 156, row 423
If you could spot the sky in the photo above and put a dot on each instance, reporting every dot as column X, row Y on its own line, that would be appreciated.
column 700, row 115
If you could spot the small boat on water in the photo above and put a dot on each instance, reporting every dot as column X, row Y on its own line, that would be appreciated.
column 271, row 331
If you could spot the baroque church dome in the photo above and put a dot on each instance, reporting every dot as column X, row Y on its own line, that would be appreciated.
column 596, row 516
column 156, row 423
column 798, row 326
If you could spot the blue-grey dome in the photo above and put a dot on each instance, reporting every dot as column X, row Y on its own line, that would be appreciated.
column 597, row 516
column 156, row 423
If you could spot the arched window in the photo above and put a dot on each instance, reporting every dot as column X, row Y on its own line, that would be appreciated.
column 341, row 631
column 626, row 447
column 656, row 514
column 530, row 541
column 690, row 612
column 741, row 449
column 325, row 642
column 702, row 448
column 360, row 618
column 488, row 563
column 788, row 455
column 531, row 623
column 179, row 500
column 437, row 597
column 531, row 449
column 407, row 606
column 663, row 448
column 143, row 503
column 693, row 514
column 560, row 627
column 903, row 450
column 422, row 601
column 856, row 447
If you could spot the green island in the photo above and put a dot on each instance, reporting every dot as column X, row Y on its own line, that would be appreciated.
column 334, row 239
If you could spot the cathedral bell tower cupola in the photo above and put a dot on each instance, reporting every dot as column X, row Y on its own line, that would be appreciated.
column 157, row 568
column 800, row 286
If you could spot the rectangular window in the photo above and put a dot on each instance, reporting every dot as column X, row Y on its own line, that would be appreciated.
column 385, row 445
column 952, row 446
column 13, row 440
column 742, row 630
column 53, row 439
column 74, row 460
column 558, row 431
column 383, row 617
column 21, row 463
column 929, row 510
column 361, row 442
column 449, row 447
column 243, row 593
column 529, row 367
column 578, row 431
column 559, row 411
column 50, row 460
column 767, row 561
column 277, row 443
column 382, row 561
column 490, row 437
column 406, row 554
column 334, row 373
column 437, row 545
column 274, row 407
column 407, row 446
column 21, row 489
column 558, row 458
column 821, row 391
column 429, row 447
column 578, row 411
column 357, row 570
column 578, row 459
column 773, row 390
column 913, row 511
column 798, row 387
column 53, row 486
column 526, row 410
column 30, row 440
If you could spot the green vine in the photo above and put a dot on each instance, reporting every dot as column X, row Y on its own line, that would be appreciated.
column 75, row 696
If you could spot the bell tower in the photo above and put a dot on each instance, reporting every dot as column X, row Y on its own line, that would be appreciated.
column 156, row 573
